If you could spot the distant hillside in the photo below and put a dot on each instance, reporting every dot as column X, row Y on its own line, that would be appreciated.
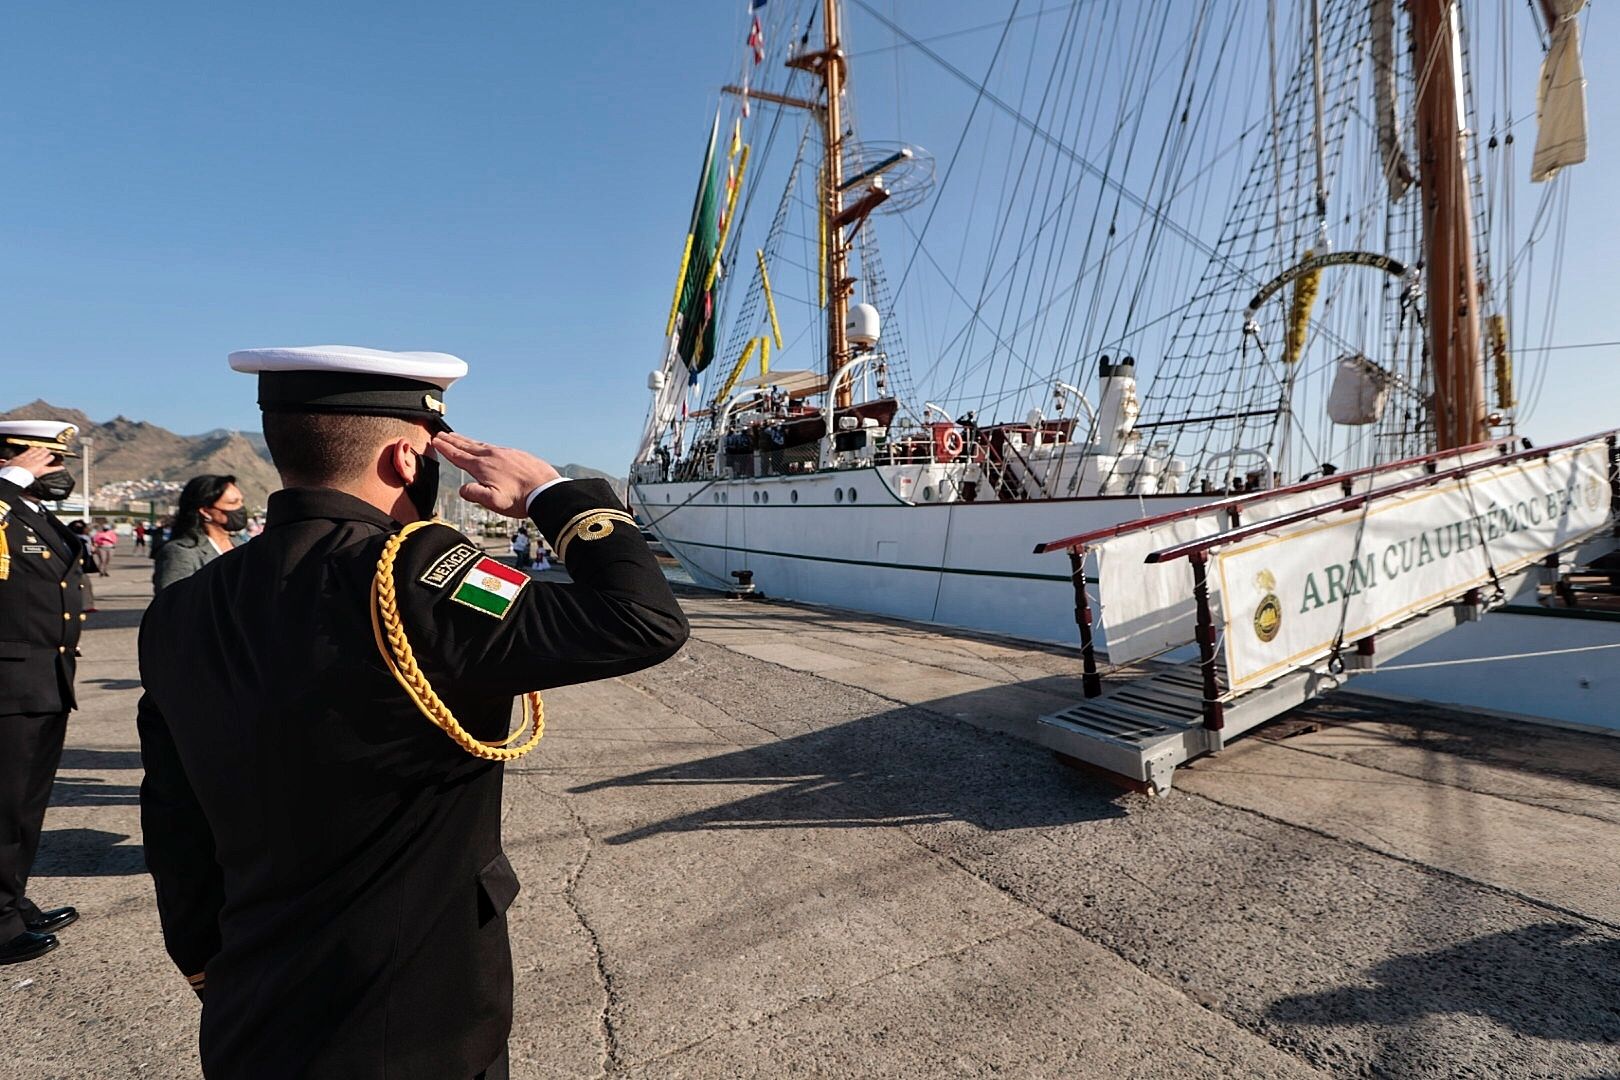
column 135, row 450
column 584, row 472
column 254, row 438
column 126, row 450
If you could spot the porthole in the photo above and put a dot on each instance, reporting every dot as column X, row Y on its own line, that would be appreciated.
column 666, row 496
column 838, row 494
column 852, row 494
column 756, row 498
column 928, row 494
column 793, row 496
column 764, row 496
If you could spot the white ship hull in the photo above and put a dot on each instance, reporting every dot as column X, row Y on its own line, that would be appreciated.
column 960, row 564
column 972, row 565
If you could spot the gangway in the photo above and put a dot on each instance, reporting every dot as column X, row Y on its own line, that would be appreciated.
column 1288, row 593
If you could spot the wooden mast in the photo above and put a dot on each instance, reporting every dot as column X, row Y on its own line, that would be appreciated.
column 829, row 64
column 837, row 269
column 1453, row 291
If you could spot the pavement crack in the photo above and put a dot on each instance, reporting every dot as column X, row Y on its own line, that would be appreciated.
column 1558, row 804
column 608, row 1061
column 1429, row 868
column 834, row 994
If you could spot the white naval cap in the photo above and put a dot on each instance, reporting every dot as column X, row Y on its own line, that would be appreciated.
column 55, row 435
column 351, row 379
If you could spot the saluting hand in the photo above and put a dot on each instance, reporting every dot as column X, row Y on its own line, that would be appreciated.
column 501, row 477
column 37, row 460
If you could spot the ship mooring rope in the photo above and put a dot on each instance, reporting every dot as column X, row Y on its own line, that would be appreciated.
column 396, row 651
column 1493, row 659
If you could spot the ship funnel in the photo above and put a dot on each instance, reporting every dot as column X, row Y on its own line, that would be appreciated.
column 863, row 325
column 1125, row 369
column 1118, row 407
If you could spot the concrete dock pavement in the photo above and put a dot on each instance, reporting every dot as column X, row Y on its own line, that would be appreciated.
column 813, row 844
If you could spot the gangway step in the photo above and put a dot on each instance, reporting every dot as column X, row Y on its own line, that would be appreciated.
column 1145, row 728
column 1141, row 730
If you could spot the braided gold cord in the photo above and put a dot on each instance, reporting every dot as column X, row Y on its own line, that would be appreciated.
column 396, row 651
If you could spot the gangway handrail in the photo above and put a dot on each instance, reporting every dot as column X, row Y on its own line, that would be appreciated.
column 1233, row 502
column 1352, row 502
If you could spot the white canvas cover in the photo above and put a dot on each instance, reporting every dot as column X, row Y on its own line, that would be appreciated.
column 1360, row 388
column 1148, row 607
column 1561, row 97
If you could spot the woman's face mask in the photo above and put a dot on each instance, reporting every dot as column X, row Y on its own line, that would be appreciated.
column 235, row 520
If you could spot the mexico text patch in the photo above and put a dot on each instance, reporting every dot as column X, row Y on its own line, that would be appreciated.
column 445, row 567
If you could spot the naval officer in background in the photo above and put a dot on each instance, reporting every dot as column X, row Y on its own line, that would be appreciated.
column 325, row 717
column 41, row 612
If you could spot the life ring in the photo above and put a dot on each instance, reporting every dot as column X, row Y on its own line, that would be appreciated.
column 948, row 442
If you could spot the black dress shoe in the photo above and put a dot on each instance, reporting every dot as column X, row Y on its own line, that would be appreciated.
column 26, row 946
column 49, row 922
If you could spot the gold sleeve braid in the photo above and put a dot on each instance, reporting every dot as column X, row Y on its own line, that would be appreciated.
column 590, row 525
column 395, row 648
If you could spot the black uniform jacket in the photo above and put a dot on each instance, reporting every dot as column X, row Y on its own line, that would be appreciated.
column 41, row 609
column 329, row 856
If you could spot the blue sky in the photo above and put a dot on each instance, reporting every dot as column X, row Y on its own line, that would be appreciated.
column 505, row 181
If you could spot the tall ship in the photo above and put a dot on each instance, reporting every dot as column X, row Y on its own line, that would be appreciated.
column 1142, row 259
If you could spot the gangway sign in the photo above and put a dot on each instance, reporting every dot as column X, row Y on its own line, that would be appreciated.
column 1295, row 596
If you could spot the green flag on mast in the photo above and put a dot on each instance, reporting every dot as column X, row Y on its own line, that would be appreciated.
column 696, row 307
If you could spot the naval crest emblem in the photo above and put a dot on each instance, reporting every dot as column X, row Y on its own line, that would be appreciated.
column 1268, row 614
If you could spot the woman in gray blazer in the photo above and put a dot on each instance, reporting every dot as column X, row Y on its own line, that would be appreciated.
column 210, row 516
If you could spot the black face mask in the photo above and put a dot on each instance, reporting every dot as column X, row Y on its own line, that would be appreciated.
column 235, row 520
column 424, row 490
column 52, row 486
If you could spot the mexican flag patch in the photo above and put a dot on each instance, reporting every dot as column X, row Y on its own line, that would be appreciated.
column 490, row 587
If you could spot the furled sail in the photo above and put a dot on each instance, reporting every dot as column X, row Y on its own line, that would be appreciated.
column 1561, row 99
column 1386, row 96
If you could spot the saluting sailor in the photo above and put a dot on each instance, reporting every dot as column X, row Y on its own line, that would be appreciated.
column 41, row 612
column 326, row 714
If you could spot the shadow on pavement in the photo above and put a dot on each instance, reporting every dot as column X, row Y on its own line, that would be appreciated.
column 93, row 760
column 1549, row 981
column 114, row 684
column 108, row 619
column 90, row 791
column 898, row 768
column 87, row 853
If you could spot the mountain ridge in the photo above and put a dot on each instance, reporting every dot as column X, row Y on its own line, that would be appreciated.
column 126, row 450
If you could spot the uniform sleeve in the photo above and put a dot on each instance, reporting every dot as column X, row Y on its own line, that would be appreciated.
column 490, row 630
column 179, row 850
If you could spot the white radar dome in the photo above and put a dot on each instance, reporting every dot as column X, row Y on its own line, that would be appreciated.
column 863, row 325
column 655, row 381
